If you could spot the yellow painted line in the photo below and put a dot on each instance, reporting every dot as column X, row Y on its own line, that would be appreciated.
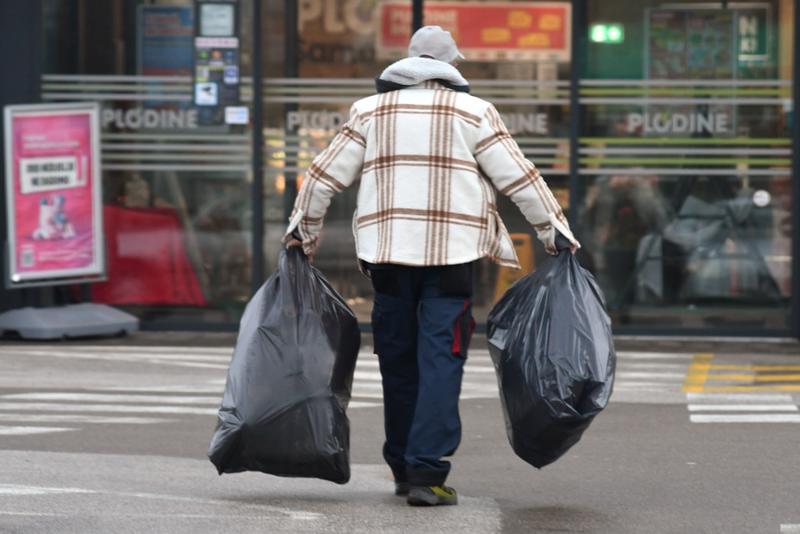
column 753, row 377
column 697, row 373
column 750, row 367
column 742, row 389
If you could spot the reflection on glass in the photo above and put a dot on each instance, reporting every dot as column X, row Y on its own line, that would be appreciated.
column 686, row 163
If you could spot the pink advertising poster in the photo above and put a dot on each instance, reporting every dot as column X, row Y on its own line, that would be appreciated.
column 53, row 194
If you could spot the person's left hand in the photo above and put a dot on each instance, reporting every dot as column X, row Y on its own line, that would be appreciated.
column 554, row 251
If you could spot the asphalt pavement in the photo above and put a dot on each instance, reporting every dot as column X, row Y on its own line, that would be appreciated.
column 98, row 436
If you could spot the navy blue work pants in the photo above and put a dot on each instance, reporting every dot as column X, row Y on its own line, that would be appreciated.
column 422, row 324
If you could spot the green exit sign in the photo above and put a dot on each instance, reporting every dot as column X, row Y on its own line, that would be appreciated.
column 607, row 33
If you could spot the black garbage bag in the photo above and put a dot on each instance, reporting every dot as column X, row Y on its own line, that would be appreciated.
column 290, row 380
column 550, row 340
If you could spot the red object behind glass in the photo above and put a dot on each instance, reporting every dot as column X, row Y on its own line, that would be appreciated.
column 147, row 260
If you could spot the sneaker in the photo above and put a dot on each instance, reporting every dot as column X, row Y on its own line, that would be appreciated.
column 401, row 488
column 432, row 496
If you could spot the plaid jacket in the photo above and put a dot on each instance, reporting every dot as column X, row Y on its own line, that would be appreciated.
column 429, row 159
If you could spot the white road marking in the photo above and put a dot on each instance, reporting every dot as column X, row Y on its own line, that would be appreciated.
column 100, row 397
column 124, row 348
column 637, row 384
column 627, row 364
column 17, row 489
column 20, row 490
column 740, row 397
column 361, row 404
column 363, row 375
column 29, row 430
column 790, row 528
column 624, row 355
column 475, row 369
column 745, row 418
column 181, row 355
column 367, row 387
column 77, row 418
column 291, row 513
column 111, row 408
column 372, row 361
column 32, row 514
column 131, row 357
column 743, row 408
column 149, row 515
column 654, row 374
column 641, row 377
column 177, row 388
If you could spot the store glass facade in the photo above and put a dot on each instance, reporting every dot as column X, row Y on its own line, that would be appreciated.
column 342, row 46
column 685, row 162
column 176, row 190
column 664, row 129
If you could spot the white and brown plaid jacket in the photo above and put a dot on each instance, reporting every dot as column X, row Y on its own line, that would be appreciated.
column 429, row 159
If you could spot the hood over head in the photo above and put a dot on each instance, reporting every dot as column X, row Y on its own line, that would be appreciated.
column 416, row 70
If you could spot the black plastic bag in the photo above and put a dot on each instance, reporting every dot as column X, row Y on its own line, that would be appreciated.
column 290, row 379
column 550, row 340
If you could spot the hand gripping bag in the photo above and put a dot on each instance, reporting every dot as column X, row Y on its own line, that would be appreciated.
column 289, row 382
column 550, row 340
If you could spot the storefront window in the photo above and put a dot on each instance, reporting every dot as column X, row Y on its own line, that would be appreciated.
column 683, row 194
column 176, row 180
column 685, row 162
column 518, row 58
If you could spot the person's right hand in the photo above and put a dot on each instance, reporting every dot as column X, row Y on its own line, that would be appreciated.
column 292, row 242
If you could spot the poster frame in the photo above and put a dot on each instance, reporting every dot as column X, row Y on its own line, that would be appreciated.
column 97, row 270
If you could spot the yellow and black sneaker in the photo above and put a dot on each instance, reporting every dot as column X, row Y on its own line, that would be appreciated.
column 432, row 496
column 401, row 488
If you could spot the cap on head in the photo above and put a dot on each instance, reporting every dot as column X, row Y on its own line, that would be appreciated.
column 434, row 42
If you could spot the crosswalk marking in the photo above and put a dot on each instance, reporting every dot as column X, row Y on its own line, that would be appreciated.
column 753, row 377
column 18, row 489
column 362, row 404
column 100, row 397
column 743, row 408
column 635, row 355
column 756, row 368
column 28, row 430
column 790, row 528
column 80, row 418
column 745, row 418
column 165, row 359
column 723, row 392
column 740, row 397
column 641, row 377
column 110, row 408
column 634, row 384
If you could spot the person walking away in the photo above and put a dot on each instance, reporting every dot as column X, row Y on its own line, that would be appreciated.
column 429, row 157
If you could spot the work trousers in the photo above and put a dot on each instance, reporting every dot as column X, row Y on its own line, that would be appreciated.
column 422, row 324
